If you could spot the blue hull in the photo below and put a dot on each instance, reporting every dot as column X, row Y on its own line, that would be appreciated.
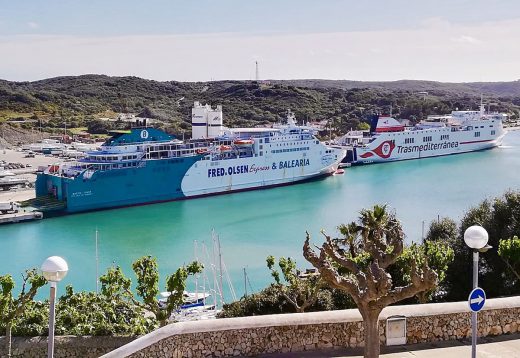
column 159, row 180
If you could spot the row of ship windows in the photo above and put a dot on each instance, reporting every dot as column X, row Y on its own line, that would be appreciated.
column 443, row 137
column 290, row 150
column 110, row 158
column 477, row 134
column 297, row 143
column 453, row 129
column 113, row 166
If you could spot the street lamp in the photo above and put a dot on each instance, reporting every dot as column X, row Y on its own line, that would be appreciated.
column 476, row 237
column 54, row 269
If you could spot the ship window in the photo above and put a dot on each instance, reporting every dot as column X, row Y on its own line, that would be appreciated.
column 477, row 134
column 492, row 132
column 261, row 153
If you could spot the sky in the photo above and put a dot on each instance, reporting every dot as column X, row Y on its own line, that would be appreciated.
column 371, row 40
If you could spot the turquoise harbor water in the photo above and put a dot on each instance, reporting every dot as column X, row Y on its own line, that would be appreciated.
column 254, row 224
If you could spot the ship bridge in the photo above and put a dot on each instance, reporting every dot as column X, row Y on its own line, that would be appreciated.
column 137, row 136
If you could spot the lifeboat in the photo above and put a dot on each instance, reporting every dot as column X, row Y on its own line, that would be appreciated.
column 201, row 150
column 243, row 142
column 226, row 148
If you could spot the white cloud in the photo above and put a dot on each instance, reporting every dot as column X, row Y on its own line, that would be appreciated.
column 466, row 39
column 33, row 25
column 434, row 53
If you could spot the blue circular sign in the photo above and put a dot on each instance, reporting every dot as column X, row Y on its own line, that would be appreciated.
column 476, row 299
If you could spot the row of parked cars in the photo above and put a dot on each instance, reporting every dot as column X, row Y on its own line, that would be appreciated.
column 6, row 165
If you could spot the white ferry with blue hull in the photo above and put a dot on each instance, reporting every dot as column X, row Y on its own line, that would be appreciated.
column 146, row 165
column 458, row 132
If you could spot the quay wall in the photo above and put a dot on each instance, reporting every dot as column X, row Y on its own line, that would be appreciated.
column 298, row 332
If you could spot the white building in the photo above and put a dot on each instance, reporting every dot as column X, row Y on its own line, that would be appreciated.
column 207, row 122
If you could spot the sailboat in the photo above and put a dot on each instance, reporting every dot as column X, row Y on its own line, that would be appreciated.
column 208, row 298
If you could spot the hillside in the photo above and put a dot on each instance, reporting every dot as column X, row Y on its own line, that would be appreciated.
column 511, row 89
column 79, row 100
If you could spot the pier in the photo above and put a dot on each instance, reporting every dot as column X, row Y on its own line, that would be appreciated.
column 19, row 217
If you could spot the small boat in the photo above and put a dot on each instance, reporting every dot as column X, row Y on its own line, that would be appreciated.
column 190, row 299
column 244, row 142
column 339, row 171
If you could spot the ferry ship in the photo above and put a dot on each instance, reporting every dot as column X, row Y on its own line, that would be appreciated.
column 389, row 140
column 145, row 165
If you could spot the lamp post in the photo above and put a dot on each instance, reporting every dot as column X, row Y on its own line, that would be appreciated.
column 476, row 237
column 54, row 269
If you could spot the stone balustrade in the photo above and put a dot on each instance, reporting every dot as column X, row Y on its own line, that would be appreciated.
column 248, row 336
column 299, row 332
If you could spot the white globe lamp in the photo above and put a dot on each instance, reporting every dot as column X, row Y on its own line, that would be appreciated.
column 476, row 237
column 54, row 269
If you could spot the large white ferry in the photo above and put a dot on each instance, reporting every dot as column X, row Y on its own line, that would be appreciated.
column 146, row 165
column 458, row 132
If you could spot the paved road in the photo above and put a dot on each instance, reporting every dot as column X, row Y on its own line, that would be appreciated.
column 507, row 346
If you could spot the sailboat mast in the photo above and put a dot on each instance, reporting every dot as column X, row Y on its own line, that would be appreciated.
column 97, row 263
column 220, row 270
column 245, row 283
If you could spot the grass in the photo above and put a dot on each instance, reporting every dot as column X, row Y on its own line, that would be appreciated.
column 77, row 130
column 6, row 114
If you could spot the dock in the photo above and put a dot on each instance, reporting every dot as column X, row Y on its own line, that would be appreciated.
column 21, row 216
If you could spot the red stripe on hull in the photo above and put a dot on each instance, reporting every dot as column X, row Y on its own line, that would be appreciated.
column 477, row 141
column 389, row 129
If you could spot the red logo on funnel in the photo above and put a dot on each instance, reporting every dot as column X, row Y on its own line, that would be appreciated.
column 384, row 150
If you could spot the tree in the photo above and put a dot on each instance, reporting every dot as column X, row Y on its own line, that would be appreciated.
column 358, row 261
column 438, row 254
column 300, row 291
column 363, row 126
column 147, row 274
column 88, row 313
column 501, row 219
column 12, row 308
column 509, row 251
column 444, row 229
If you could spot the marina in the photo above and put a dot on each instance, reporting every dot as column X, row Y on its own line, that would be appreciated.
column 255, row 224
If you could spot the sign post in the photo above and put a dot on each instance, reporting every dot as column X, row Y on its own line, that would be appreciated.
column 476, row 301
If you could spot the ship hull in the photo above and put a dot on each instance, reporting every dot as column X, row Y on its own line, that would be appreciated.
column 391, row 147
column 177, row 179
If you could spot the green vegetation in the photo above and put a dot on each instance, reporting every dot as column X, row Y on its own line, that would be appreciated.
column 509, row 251
column 77, row 101
column 271, row 300
column 299, row 290
column 116, row 310
column 11, row 308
